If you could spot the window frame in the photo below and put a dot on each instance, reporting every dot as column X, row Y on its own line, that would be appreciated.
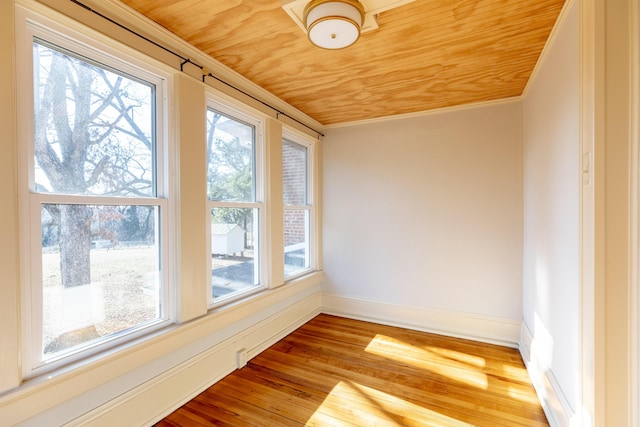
column 310, row 206
column 103, row 52
column 234, row 111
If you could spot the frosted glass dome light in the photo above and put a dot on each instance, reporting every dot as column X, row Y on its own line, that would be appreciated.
column 333, row 24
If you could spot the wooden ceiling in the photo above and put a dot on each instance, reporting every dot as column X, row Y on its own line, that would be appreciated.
column 425, row 55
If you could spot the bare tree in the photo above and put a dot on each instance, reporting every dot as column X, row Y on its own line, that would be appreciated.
column 87, row 141
column 230, row 175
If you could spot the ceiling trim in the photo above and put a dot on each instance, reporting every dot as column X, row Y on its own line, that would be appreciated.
column 550, row 40
column 435, row 111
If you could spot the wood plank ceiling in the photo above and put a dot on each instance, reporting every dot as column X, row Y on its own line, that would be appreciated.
column 425, row 55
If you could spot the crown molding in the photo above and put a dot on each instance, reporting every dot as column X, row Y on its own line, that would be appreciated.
column 550, row 40
column 435, row 111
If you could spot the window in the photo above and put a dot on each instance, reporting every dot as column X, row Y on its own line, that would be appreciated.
column 97, row 203
column 297, row 207
column 234, row 192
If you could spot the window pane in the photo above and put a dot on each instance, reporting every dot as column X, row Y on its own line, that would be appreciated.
column 294, row 173
column 234, row 250
column 94, row 128
column 296, row 241
column 100, row 272
column 231, row 151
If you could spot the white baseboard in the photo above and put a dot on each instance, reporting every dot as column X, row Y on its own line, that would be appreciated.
column 155, row 399
column 554, row 403
column 487, row 329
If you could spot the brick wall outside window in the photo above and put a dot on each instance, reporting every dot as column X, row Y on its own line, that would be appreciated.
column 294, row 179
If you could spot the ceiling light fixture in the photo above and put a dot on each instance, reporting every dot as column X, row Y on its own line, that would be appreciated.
column 333, row 24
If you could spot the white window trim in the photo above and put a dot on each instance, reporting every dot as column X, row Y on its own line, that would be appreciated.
column 312, row 245
column 233, row 110
column 76, row 38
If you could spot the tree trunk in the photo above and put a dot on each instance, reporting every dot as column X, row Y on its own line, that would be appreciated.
column 75, row 245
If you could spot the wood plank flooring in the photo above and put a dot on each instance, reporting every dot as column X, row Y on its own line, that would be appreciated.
column 334, row 371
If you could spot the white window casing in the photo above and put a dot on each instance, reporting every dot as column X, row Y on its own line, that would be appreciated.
column 98, row 52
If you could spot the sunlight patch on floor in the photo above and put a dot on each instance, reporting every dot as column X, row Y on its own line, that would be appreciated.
column 515, row 372
column 451, row 364
column 364, row 405
column 526, row 396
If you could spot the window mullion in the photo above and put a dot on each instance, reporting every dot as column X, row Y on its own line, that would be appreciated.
column 239, row 205
column 55, row 198
column 297, row 207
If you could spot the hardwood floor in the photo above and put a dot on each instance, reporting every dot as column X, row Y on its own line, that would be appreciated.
column 334, row 371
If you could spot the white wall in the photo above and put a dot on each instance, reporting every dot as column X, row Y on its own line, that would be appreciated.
column 423, row 215
column 551, row 280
